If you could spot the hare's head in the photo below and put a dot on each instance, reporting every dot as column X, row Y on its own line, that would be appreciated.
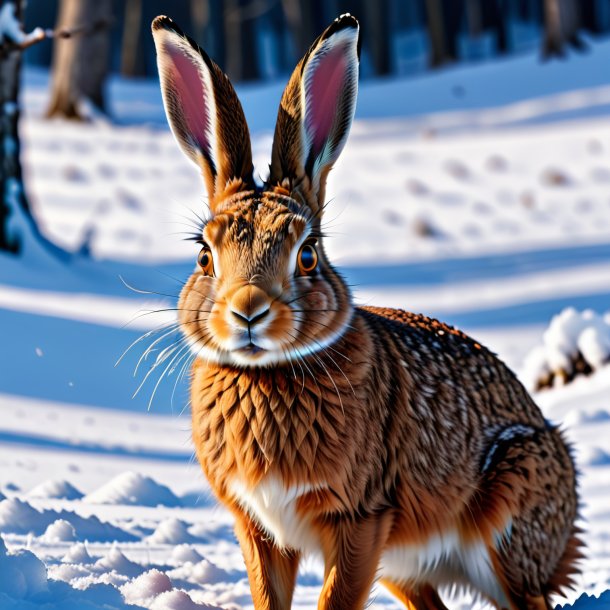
column 263, row 291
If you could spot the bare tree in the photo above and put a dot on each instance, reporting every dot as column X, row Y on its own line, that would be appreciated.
column 561, row 25
column 18, row 229
column 80, row 66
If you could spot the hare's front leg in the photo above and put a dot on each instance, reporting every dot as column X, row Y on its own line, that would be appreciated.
column 351, row 555
column 272, row 572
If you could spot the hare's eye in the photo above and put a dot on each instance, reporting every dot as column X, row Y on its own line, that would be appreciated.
column 205, row 261
column 308, row 259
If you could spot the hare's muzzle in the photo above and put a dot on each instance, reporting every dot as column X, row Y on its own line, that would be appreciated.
column 249, row 306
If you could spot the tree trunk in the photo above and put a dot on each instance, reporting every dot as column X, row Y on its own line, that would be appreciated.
column 379, row 28
column 436, row 33
column 561, row 25
column 80, row 64
column 132, row 61
column 200, row 20
column 241, row 42
column 233, row 41
column 18, row 229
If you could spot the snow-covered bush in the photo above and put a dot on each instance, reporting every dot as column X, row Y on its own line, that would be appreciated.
column 575, row 343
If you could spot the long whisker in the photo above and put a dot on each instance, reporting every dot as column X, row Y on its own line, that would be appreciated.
column 145, row 336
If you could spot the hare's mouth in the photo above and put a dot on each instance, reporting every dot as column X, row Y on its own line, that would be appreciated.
column 250, row 350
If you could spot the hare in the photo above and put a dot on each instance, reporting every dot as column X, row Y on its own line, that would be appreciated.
column 391, row 444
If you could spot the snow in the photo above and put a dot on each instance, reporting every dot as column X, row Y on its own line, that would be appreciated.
column 490, row 211
column 133, row 488
column 11, row 29
column 59, row 531
column 56, row 489
column 172, row 531
column 570, row 335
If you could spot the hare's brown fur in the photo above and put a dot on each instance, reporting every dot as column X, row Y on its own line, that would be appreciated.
column 394, row 445
column 401, row 431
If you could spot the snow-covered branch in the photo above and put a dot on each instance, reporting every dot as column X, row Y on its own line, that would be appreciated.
column 11, row 30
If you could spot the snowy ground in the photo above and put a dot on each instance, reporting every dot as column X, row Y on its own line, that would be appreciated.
column 479, row 195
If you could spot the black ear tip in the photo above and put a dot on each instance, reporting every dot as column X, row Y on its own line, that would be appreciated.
column 343, row 22
column 346, row 20
column 162, row 22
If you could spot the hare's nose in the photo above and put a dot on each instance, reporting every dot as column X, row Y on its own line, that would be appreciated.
column 249, row 305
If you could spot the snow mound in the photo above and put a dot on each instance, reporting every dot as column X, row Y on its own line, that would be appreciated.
column 56, row 489
column 19, row 517
column 575, row 343
column 147, row 586
column 205, row 572
column 60, row 531
column 22, row 574
column 115, row 560
column 134, row 489
column 178, row 600
column 185, row 553
column 77, row 553
column 171, row 531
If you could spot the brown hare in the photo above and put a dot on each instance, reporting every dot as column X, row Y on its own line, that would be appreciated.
column 393, row 445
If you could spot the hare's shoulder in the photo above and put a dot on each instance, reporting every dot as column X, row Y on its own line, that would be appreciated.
column 416, row 325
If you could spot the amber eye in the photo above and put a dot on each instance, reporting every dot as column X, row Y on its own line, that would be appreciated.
column 205, row 261
column 308, row 259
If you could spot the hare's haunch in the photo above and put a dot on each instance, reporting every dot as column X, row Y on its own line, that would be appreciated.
column 392, row 444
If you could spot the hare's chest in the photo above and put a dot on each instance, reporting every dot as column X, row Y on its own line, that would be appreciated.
column 279, row 511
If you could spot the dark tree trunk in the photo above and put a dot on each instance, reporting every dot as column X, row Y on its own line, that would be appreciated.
column 306, row 21
column 378, row 32
column 200, row 20
column 18, row 229
column 277, row 21
column 241, row 44
column 436, row 33
column 496, row 18
column 588, row 16
column 80, row 65
column 132, row 60
column 453, row 11
column 217, row 35
column 561, row 25
column 249, row 48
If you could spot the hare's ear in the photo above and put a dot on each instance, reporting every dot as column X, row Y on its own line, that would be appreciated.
column 316, row 112
column 203, row 111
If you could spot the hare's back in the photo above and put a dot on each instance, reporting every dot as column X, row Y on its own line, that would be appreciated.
column 453, row 367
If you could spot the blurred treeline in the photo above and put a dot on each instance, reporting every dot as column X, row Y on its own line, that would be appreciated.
column 261, row 39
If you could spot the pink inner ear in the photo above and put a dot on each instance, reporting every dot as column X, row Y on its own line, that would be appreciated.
column 192, row 97
column 326, row 86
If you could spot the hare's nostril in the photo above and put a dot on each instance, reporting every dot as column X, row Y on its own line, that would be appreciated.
column 249, row 320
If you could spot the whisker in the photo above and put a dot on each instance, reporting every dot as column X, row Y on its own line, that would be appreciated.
column 145, row 336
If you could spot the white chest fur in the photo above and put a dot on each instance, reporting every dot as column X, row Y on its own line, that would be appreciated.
column 273, row 506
